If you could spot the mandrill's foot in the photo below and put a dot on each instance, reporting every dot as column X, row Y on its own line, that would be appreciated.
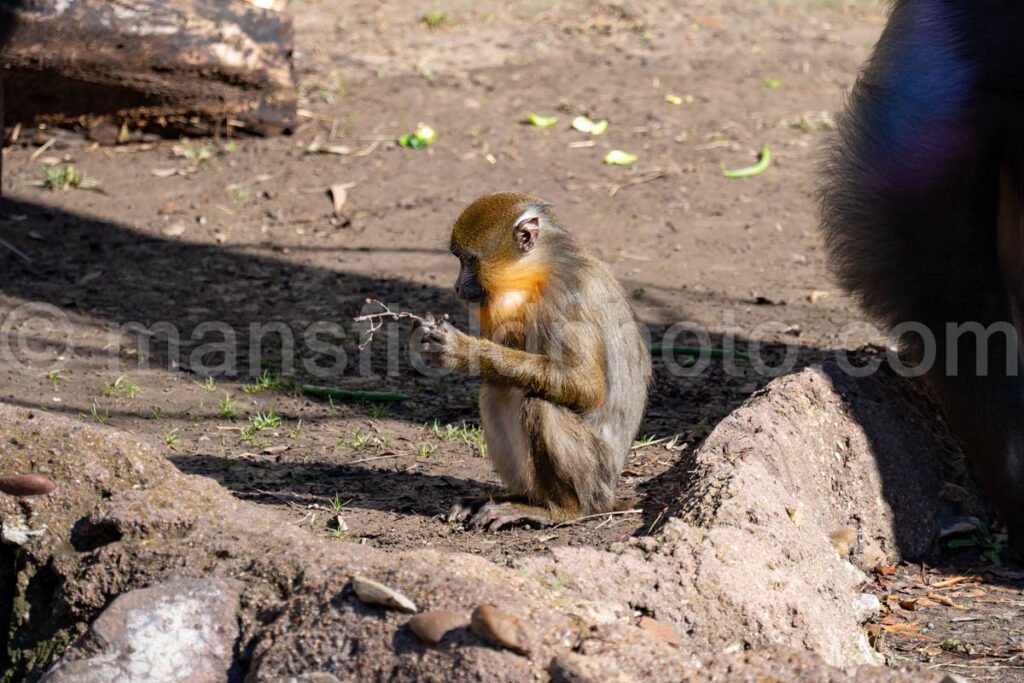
column 493, row 515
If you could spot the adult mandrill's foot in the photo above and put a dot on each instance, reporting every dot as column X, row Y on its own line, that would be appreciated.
column 493, row 515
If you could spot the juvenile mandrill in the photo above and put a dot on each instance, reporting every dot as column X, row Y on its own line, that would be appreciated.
column 565, row 368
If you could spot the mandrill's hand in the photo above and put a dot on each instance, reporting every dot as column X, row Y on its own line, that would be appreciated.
column 443, row 345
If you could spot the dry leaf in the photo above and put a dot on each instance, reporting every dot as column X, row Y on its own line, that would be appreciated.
column 943, row 600
column 339, row 195
column 901, row 628
column 953, row 580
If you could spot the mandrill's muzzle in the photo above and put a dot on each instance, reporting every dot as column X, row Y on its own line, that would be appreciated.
column 467, row 287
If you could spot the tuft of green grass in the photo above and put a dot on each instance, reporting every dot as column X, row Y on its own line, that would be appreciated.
column 56, row 378
column 66, row 177
column 171, row 436
column 120, row 387
column 197, row 154
column 267, row 382
column 990, row 544
column 427, row 449
column 207, row 384
column 360, row 438
column 434, row 20
column 157, row 413
column 469, row 434
column 336, row 503
column 100, row 416
column 228, row 408
column 378, row 410
column 297, row 432
column 645, row 441
column 268, row 420
column 259, row 422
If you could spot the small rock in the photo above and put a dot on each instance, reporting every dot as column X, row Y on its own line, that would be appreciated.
column 961, row 525
column 502, row 629
column 374, row 593
column 15, row 533
column 569, row 667
column 179, row 630
column 660, row 630
column 103, row 133
column 430, row 627
column 865, row 606
column 274, row 450
column 26, row 485
column 175, row 229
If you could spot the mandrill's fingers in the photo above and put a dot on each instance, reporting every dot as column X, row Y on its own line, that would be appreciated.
column 438, row 333
column 462, row 509
column 431, row 347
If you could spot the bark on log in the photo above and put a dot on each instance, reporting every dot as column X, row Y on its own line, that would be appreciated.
column 165, row 66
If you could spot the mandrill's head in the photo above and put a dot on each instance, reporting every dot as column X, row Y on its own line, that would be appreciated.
column 504, row 243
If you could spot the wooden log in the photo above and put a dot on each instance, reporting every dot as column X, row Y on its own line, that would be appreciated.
column 165, row 66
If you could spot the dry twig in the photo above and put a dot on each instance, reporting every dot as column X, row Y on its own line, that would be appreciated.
column 376, row 320
column 614, row 513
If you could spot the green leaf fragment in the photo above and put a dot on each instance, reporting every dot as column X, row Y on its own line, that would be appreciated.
column 541, row 121
column 617, row 157
column 762, row 164
column 673, row 99
column 423, row 136
column 771, row 83
column 585, row 125
column 426, row 133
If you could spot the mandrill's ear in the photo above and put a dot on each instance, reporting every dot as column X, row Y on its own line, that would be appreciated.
column 527, row 227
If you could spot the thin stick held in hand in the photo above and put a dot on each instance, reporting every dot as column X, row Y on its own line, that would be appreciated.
column 376, row 320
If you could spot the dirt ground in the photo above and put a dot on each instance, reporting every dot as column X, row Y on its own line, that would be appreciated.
column 242, row 232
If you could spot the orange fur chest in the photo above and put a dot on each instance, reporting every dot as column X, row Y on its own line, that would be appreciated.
column 511, row 293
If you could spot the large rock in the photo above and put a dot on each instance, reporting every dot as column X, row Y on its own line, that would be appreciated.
column 742, row 581
column 174, row 631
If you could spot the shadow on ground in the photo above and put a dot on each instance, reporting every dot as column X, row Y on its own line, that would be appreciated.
column 110, row 275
